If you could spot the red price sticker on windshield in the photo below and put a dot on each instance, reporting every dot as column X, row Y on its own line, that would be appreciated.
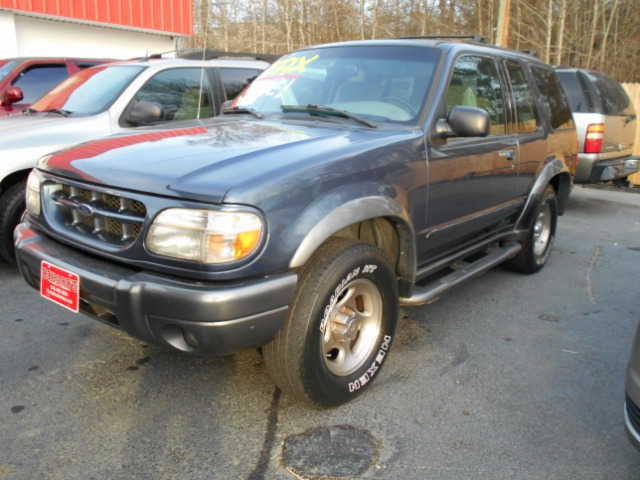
column 60, row 286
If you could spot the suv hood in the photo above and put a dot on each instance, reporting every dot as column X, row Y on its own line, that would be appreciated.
column 48, row 130
column 203, row 162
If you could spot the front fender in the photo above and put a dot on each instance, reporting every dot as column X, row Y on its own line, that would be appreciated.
column 326, row 216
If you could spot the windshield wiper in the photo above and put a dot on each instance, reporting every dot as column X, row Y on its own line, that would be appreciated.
column 253, row 112
column 64, row 113
column 329, row 112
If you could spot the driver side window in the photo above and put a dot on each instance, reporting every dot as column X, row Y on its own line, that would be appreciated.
column 178, row 92
column 476, row 83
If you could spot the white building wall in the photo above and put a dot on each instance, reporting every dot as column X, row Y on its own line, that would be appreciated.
column 7, row 34
column 40, row 37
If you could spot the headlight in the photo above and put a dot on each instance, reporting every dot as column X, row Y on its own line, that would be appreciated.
column 32, row 196
column 205, row 236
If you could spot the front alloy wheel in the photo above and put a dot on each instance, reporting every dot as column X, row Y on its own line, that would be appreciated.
column 352, row 328
column 340, row 326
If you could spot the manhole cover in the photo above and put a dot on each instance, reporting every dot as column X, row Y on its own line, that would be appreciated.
column 340, row 451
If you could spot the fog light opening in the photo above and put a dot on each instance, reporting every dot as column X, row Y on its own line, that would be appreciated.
column 191, row 339
column 178, row 338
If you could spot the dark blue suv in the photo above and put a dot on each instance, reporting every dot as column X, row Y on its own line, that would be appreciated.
column 346, row 180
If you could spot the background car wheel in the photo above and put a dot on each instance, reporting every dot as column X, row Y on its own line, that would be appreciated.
column 536, row 247
column 12, row 207
column 340, row 325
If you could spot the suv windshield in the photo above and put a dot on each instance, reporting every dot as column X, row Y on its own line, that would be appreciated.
column 89, row 91
column 380, row 83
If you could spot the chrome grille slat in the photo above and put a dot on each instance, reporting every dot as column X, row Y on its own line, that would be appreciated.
column 107, row 217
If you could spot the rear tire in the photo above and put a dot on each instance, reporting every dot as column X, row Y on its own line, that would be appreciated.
column 12, row 206
column 340, row 325
column 537, row 245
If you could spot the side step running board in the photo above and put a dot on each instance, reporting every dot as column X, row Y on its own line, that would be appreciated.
column 432, row 291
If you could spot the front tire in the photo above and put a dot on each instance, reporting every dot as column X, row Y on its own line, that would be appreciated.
column 340, row 325
column 537, row 245
column 12, row 206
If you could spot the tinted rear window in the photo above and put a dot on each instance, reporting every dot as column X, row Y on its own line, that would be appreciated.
column 574, row 92
column 235, row 79
column 615, row 100
column 553, row 98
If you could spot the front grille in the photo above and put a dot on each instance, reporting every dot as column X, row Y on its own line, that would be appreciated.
column 633, row 412
column 107, row 217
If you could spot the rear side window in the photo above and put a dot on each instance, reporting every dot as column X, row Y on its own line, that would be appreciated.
column 525, row 108
column 553, row 98
column 235, row 79
column 38, row 80
column 615, row 100
column 575, row 93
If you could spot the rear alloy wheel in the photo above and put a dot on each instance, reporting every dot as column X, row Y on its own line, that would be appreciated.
column 340, row 326
column 536, row 247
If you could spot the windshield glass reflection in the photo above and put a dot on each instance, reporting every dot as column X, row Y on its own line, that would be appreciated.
column 89, row 91
column 381, row 83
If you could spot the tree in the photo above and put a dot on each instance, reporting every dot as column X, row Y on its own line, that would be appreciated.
column 602, row 34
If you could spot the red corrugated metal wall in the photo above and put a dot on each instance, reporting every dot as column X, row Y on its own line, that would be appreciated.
column 174, row 16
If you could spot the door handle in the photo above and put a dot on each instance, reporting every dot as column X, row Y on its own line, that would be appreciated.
column 509, row 154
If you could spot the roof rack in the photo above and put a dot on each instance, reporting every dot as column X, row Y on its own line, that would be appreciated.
column 211, row 54
column 474, row 38
column 531, row 52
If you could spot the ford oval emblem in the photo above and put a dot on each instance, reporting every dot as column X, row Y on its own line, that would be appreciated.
column 85, row 209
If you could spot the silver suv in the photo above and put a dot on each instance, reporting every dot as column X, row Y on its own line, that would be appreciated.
column 108, row 99
column 606, row 123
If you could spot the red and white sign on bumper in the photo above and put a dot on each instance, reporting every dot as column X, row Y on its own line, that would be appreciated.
column 60, row 286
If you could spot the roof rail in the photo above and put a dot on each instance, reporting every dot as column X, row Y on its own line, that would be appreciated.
column 474, row 38
column 531, row 52
column 211, row 54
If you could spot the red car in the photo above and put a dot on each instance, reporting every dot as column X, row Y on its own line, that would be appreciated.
column 24, row 80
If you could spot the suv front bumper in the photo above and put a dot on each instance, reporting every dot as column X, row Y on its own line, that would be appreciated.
column 202, row 318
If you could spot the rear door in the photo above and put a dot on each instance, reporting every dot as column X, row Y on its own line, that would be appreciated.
column 526, row 125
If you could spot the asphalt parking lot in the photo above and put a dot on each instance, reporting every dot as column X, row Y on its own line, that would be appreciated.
column 506, row 377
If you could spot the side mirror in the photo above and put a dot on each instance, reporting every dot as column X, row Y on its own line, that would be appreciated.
column 144, row 112
column 12, row 95
column 464, row 122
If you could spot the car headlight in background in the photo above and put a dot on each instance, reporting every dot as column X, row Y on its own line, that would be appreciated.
column 205, row 236
column 32, row 196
